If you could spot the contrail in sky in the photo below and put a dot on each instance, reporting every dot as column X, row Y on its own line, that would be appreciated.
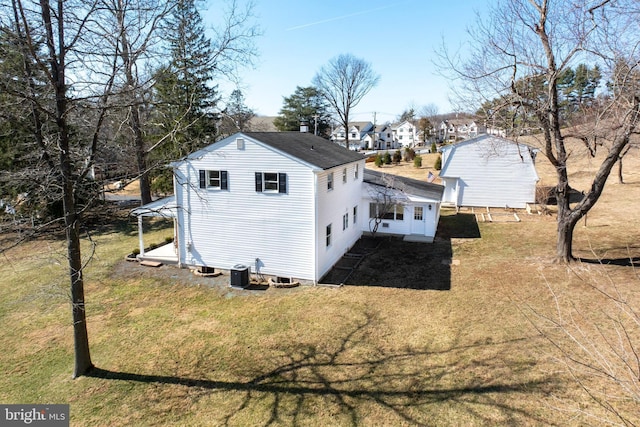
column 337, row 18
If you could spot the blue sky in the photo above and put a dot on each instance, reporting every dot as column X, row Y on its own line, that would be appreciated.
column 398, row 39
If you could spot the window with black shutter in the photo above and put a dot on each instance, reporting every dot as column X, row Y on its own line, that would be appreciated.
column 214, row 179
column 271, row 182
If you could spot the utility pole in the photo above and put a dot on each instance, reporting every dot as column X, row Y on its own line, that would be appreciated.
column 374, row 141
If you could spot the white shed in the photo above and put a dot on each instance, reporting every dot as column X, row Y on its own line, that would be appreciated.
column 489, row 171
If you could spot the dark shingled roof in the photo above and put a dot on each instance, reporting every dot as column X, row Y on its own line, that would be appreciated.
column 308, row 148
column 410, row 186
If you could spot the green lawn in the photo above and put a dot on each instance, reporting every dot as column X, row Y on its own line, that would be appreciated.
column 423, row 334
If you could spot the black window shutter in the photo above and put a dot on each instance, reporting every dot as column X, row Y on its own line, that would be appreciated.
column 203, row 179
column 259, row 181
column 224, row 180
column 282, row 183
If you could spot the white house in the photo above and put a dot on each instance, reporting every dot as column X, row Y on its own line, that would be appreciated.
column 379, row 138
column 405, row 134
column 489, row 171
column 356, row 134
column 455, row 129
column 285, row 204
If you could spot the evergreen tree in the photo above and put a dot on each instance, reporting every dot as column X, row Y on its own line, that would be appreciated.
column 184, row 96
column 238, row 111
column 305, row 104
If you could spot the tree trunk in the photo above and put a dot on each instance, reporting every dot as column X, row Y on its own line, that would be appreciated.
column 134, row 122
column 71, row 218
column 145, row 184
column 80, row 336
column 564, row 244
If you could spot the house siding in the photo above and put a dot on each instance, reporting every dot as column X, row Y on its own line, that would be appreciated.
column 489, row 172
column 268, row 232
column 332, row 206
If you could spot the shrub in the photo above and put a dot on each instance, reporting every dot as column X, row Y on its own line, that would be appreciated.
column 397, row 157
column 409, row 154
column 438, row 164
column 387, row 158
column 378, row 160
column 417, row 161
column 434, row 148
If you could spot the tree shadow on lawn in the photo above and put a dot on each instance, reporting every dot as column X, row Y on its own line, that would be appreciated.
column 411, row 265
column 622, row 262
column 347, row 375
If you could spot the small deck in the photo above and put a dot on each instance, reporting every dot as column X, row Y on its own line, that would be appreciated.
column 165, row 254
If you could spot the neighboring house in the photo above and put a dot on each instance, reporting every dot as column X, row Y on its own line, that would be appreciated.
column 285, row 204
column 405, row 134
column 457, row 129
column 379, row 138
column 357, row 132
column 489, row 171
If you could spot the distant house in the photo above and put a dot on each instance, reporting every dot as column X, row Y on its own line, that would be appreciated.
column 379, row 138
column 356, row 134
column 405, row 134
column 489, row 171
column 457, row 129
column 286, row 204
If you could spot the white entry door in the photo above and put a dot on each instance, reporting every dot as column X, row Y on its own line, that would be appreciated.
column 418, row 222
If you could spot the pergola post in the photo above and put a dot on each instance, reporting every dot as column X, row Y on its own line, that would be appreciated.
column 140, row 235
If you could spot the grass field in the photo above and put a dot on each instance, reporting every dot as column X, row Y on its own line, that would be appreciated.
column 445, row 334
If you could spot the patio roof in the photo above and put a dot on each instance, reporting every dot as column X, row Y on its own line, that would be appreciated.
column 166, row 208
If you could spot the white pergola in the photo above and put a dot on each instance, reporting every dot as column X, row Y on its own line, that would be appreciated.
column 163, row 208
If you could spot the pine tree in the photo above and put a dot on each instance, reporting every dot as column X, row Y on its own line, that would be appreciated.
column 305, row 104
column 184, row 95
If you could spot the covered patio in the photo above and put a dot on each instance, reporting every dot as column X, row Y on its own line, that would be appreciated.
column 161, row 208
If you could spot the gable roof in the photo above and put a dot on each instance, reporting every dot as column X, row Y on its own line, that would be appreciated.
column 410, row 186
column 307, row 147
column 487, row 139
column 482, row 138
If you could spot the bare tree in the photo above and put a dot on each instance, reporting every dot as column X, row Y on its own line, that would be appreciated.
column 518, row 55
column 134, row 33
column 427, row 122
column 387, row 200
column 62, row 25
column 343, row 83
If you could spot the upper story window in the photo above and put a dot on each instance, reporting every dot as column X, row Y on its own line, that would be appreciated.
column 345, row 221
column 330, row 181
column 328, row 235
column 344, row 175
column 214, row 179
column 356, row 170
column 271, row 182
